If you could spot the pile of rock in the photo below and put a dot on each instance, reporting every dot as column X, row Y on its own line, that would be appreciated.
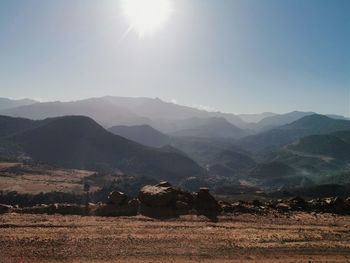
column 163, row 200
column 118, row 204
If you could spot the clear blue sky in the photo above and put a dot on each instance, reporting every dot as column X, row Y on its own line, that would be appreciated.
column 238, row 56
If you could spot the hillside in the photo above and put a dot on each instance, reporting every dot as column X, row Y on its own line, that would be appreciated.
column 212, row 128
column 8, row 103
column 143, row 134
column 326, row 145
column 309, row 125
column 79, row 142
column 10, row 125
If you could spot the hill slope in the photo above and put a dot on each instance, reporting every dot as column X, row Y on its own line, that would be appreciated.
column 143, row 134
column 79, row 142
column 309, row 125
column 212, row 128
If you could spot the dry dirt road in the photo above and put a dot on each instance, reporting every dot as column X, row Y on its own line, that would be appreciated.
column 244, row 238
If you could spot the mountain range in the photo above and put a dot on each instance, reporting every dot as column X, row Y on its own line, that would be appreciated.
column 79, row 142
column 167, row 141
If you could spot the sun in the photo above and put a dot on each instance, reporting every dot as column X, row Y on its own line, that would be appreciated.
column 147, row 16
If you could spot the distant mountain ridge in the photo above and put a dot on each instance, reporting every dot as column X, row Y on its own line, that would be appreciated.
column 9, row 103
column 308, row 125
column 111, row 111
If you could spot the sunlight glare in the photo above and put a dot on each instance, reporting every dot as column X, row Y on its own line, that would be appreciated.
column 146, row 16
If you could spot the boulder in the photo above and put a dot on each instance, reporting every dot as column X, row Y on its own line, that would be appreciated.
column 185, row 197
column 157, row 196
column 182, row 206
column 257, row 203
column 5, row 208
column 205, row 202
column 127, row 209
column 226, row 207
column 117, row 198
column 164, row 184
column 282, row 207
column 297, row 203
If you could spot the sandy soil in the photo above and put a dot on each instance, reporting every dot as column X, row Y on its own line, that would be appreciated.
column 296, row 237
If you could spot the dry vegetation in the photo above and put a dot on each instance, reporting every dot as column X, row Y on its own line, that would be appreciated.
column 297, row 237
column 35, row 179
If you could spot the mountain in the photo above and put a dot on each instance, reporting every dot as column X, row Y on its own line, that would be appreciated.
column 143, row 134
column 104, row 112
column 254, row 118
column 309, row 125
column 8, row 103
column 323, row 145
column 212, row 128
column 272, row 170
column 110, row 111
column 80, row 143
column 230, row 163
column 279, row 120
column 344, row 135
column 9, row 125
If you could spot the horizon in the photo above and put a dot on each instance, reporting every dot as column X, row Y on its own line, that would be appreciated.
column 198, row 107
column 231, row 56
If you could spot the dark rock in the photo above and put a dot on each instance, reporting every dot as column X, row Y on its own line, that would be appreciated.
column 5, row 208
column 226, row 207
column 239, row 207
column 157, row 196
column 182, row 206
column 117, row 198
column 257, row 203
column 164, row 184
column 297, row 203
column 282, row 207
column 129, row 209
column 205, row 202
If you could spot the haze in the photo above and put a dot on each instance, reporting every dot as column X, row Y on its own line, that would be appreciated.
column 235, row 56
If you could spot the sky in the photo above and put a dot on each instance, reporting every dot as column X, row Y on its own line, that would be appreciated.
column 240, row 56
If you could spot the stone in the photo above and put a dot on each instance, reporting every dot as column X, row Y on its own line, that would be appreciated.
column 117, row 198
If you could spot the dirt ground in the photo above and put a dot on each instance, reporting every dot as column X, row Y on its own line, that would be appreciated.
column 298, row 237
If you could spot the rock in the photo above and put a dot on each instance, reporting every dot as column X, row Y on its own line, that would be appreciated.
column 5, row 208
column 158, row 212
column 226, row 207
column 157, row 196
column 117, row 198
column 257, row 203
column 205, row 202
column 129, row 209
column 182, row 206
column 298, row 203
column 185, row 197
column 282, row 207
column 240, row 207
column 135, row 203
column 164, row 184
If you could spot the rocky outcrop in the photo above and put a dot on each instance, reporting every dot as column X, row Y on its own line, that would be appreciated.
column 204, row 202
column 117, row 198
column 118, row 204
column 5, row 208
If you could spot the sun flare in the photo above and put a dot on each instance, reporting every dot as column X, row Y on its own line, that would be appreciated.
column 146, row 16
